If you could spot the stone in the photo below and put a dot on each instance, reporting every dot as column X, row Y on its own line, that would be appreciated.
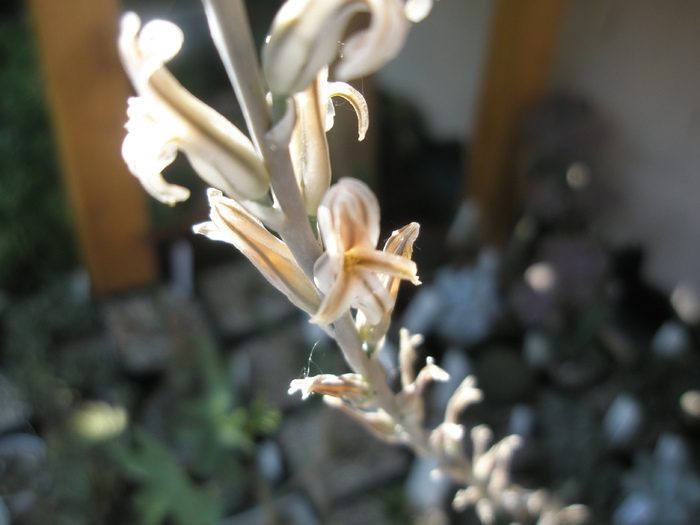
column 139, row 333
column 15, row 408
column 265, row 366
column 365, row 511
column 290, row 509
column 623, row 421
column 240, row 300
column 672, row 339
column 333, row 458
column 147, row 328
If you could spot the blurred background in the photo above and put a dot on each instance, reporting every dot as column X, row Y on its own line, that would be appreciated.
column 548, row 148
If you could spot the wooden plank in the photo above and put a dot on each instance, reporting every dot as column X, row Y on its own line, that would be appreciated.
column 520, row 50
column 87, row 92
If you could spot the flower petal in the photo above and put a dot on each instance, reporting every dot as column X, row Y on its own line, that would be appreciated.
column 417, row 10
column 368, row 51
column 220, row 153
column 147, row 150
column 338, row 298
column 349, row 216
column 308, row 146
column 304, row 38
column 359, row 104
column 233, row 224
column 385, row 263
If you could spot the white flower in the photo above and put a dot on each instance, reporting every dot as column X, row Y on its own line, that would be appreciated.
column 305, row 37
column 308, row 145
column 349, row 271
column 165, row 118
column 234, row 224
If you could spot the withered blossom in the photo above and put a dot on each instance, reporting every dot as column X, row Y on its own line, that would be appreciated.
column 165, row 118
column 308, row 146
column 305, row 37
column 345, row 386
column 232, row 223
column 399, row 243
column 350, row 269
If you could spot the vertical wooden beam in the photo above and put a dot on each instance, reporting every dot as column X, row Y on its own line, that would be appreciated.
column 87, row 92
column 520, row 50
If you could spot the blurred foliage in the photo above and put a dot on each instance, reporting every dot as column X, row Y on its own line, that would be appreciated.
column 36, row 241
column 186, row 453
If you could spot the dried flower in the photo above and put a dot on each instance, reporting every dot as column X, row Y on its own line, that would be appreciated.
column 349, row 271
column 234, row 224
column 305, row 37
column 165, row 118
column 400, row 243
column 346, row 385
column 308, row 146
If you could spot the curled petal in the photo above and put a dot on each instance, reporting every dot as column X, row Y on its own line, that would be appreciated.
column 401, row 243
column 356, row 99
column 233, row 224
column 218, row 151
column 147, row 150
column 305, row 34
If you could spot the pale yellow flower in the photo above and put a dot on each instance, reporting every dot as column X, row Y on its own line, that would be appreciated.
column 350, row 270
column 309, row 146
column 165, row 118
column 232, row 223
column 305, row 36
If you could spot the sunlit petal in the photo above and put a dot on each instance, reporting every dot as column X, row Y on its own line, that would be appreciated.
column 232, row 223
column 308, row 146
column 356, row 99
column 368, row 51
column 305, row 37
column 417, row 10
column 220, row 153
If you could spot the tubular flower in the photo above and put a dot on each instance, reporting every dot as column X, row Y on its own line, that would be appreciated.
column 305, row 37
column 345, row 386
column 234, row 224
column 400, row 243
column 349, row 271
column 165, row 118
column 308, row 146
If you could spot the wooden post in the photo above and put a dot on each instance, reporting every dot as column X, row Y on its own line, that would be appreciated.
column 87, row 92
column 521, row 46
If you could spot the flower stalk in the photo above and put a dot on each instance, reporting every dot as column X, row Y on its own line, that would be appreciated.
column 274, row 200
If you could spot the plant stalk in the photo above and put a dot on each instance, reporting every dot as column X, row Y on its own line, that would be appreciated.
column 228, row 23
